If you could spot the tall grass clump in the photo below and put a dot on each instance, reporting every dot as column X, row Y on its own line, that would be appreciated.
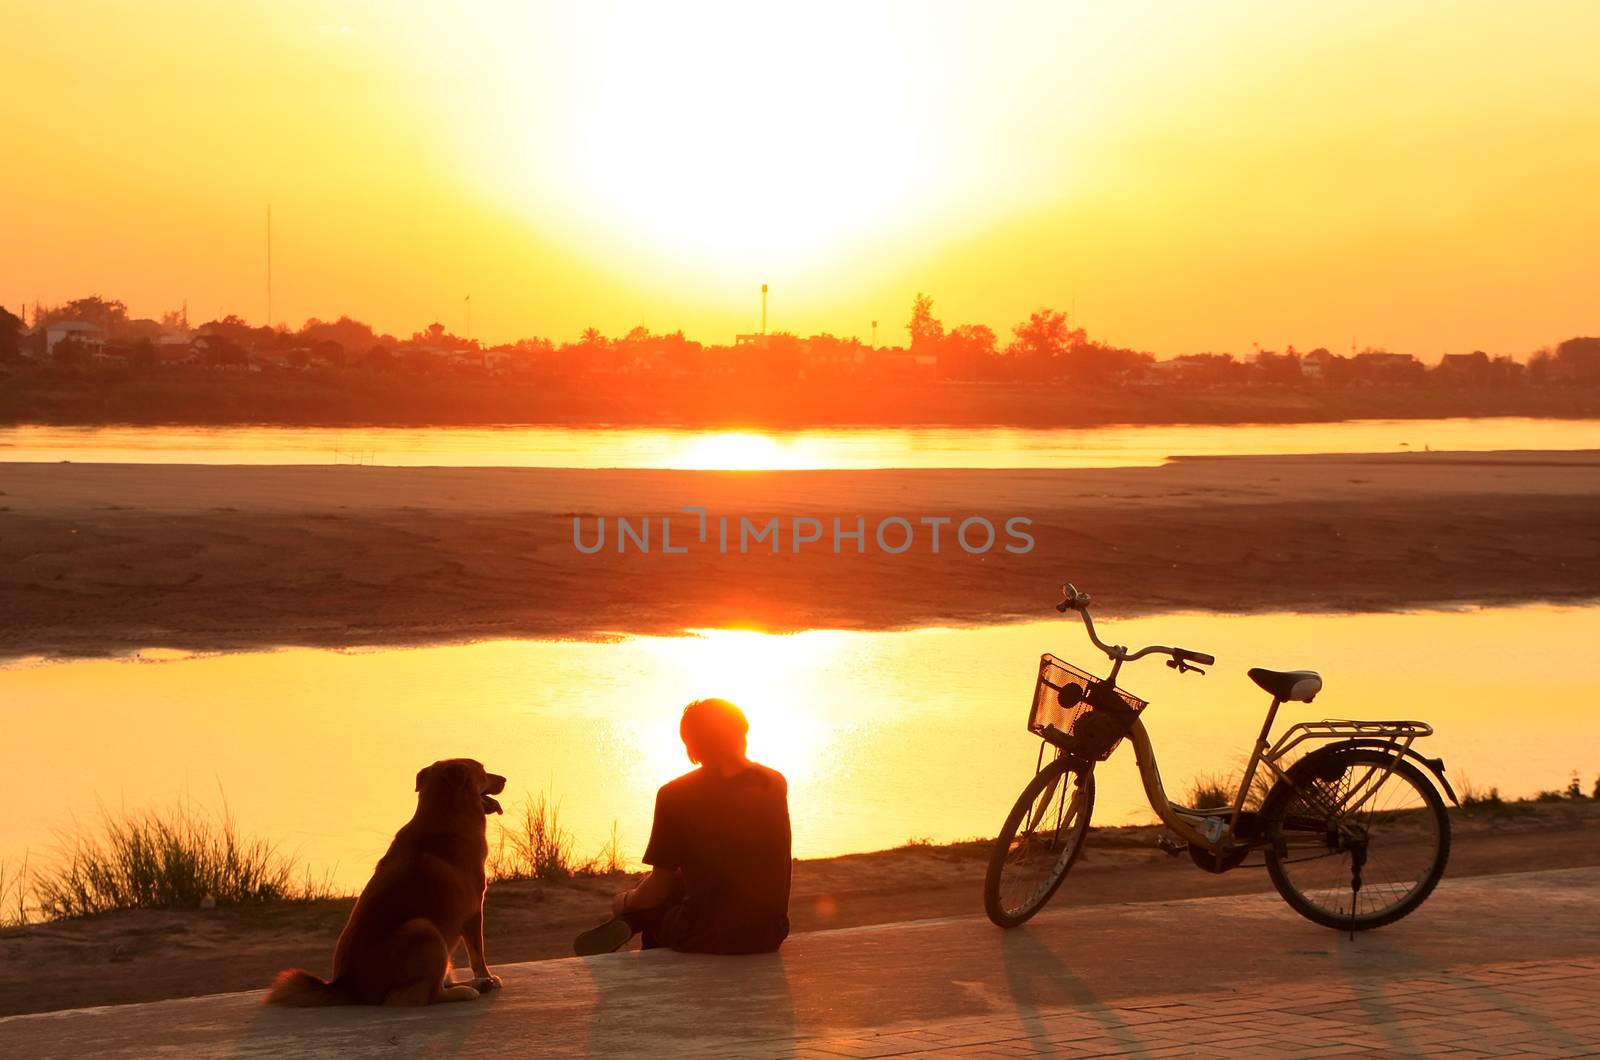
column 1573, row 792
column 532, row 845
column 609, row 861
column 13, row 896
column 1474, row 797
column 1213, row 791
column 179, row 858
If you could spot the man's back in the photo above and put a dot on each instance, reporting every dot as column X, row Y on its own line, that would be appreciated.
column 729, row 837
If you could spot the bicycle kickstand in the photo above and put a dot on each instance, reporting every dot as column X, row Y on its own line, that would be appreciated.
column 1358, row 858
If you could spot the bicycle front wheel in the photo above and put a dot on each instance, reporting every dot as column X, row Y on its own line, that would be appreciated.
column 1359, row 837
column 1040, row 840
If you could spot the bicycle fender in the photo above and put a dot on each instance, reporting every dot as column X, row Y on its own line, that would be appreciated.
column 1433, row 765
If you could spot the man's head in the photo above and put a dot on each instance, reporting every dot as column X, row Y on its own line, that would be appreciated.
column 713, row 732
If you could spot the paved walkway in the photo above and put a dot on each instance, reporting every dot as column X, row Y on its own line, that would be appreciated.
column 1501, row 966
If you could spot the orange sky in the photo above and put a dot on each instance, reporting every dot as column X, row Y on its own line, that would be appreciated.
column 1190, row 176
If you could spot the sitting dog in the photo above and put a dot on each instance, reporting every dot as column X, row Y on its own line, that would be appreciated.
column 426, row 893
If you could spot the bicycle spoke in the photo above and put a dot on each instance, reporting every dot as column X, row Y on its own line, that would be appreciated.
column 1048, row 835
column 1372, row 806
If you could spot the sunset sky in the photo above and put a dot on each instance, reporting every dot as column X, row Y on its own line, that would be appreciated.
column 1419, row 176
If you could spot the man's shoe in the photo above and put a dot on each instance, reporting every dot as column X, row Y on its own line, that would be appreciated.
column 607, row 938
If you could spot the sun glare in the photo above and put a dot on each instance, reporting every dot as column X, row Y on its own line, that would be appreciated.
column 721, row 138
column 774, row 678
column 742, row 451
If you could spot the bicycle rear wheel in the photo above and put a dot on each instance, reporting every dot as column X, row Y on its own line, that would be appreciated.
column 1355, row 812
column 1040, row 840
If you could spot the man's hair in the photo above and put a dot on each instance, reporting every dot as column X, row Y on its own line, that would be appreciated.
column 712, row 729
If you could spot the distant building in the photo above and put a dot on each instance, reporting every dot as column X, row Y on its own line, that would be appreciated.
column 81, row 332
column 171, row 354
column 1376, row 366
column 1318, row 365
column 1465, row 367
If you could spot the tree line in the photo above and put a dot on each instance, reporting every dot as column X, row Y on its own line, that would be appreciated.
column 1045, row 347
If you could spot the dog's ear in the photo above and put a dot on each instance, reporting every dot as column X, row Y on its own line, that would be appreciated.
column 422, row 775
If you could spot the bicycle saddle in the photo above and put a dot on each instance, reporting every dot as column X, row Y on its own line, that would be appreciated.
column 1287, row 685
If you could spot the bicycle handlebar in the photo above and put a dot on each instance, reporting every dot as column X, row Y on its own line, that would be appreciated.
column 1074, row 600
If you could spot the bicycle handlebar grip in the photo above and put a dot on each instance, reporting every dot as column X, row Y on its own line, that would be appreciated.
column 1198, row 657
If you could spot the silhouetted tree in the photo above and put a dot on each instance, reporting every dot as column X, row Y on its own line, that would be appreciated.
column 1580, row 359
column 926, row 331
column 142, row 354
column 239, row 332
column 784, row 356
column 107, row 314
column 1278, row 367
column 967, row 352
column 70, row 352
column 219, row 349
column 1043, row 342
column 1095, row 362
column 10, row 335
column 132, row 331
column 347, row 333
column 329, row 351
column 1539, row 366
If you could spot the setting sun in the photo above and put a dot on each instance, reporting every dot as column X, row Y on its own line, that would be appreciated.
column 696, row 142
column 1180, row 177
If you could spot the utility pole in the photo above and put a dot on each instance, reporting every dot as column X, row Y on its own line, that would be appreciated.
column 763, row 309
column 269, row 265
column 874, row 334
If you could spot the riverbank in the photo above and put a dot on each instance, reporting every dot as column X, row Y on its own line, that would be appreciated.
column 149, row 955
column 102, row 559
column 327, row 397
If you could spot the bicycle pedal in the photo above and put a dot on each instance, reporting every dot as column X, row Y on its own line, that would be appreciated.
column 1173, row 846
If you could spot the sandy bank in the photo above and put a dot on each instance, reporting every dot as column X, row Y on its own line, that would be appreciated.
column 104, row 558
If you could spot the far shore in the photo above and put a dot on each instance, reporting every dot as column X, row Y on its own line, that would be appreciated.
column 107, row 559
column 147, row 955
column 353, row 398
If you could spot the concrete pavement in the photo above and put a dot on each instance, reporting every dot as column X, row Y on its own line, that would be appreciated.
column 1497, row 965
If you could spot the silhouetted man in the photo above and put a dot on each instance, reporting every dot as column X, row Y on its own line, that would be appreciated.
column 718, row 854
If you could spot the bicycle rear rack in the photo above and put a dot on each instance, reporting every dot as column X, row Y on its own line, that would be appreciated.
column 1400, row 733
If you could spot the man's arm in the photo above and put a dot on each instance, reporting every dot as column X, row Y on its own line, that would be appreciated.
column 648, row 893
column 663, row 856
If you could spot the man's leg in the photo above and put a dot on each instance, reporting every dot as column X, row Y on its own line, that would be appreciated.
column 660, row 925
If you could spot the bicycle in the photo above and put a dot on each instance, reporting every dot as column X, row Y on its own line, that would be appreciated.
column 1353, row 833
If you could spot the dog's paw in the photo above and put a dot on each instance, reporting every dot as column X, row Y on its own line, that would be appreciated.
column 483, row 984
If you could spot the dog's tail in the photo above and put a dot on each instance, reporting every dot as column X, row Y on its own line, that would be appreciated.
column 301, row 989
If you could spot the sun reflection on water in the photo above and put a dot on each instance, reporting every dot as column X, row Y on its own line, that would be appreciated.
column 883, row 736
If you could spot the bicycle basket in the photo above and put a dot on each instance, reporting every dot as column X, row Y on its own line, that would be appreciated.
column 1060, row 701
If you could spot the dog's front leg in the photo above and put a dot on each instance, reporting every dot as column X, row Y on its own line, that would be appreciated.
column 472, row 934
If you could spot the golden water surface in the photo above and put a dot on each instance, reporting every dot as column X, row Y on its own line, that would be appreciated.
column 884, row 736
column 839, row 448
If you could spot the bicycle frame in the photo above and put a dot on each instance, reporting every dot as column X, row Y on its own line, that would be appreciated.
column 1186, row 821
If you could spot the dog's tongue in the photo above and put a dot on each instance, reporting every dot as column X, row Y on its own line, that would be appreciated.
column 490, row 806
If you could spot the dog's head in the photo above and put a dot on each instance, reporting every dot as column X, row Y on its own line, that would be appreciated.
column 461, row 780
